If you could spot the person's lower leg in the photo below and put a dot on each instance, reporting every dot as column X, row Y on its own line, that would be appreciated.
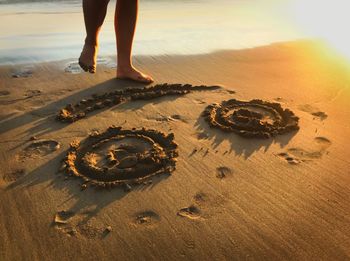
column 125, row 24
column 94, row 15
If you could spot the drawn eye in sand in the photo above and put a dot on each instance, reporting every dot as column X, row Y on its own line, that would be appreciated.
column 255, row 118
column 121, row 157
column 74, row 112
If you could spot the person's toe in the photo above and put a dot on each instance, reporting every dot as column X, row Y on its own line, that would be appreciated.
column 83, row 66
column 87, row 59
column 145, row 79
column 92, row 69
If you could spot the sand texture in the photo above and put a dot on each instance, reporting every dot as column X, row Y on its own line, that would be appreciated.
column 283, row 197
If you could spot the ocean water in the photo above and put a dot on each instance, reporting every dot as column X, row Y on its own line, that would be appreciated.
column 38, row 30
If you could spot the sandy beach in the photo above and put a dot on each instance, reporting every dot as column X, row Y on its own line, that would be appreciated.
column 230, row 198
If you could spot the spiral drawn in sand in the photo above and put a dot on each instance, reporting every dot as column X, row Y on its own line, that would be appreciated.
column 255, row 118
column 121, row 157
column 73, row 112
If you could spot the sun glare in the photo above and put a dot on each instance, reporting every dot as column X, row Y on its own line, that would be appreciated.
column 328, row 20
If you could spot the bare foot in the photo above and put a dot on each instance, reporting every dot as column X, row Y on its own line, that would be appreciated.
column 87, row 59
column 133, row 74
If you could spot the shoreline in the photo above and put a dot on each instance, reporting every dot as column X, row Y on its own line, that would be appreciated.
column 163, row 28
column 108, row 60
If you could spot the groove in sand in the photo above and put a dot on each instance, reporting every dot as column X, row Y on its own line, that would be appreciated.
column 74, row 112
column 121, row 157
column 255, row 118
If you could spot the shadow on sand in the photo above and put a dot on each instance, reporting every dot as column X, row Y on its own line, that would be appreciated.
column 239, row 146
column 47, row 114
column 93, row 199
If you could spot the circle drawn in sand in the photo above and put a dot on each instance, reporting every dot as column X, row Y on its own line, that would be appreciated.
column 122, row 157
column 74, row 112
column 255, row 118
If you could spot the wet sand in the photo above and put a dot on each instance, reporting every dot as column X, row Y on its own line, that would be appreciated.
column 230, row 197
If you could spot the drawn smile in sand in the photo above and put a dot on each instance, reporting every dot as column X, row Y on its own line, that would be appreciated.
column 121, row 157
column 255, row 118
column 79, row 110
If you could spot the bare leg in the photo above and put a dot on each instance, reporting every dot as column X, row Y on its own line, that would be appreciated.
column 125, row 23
column 94, row 15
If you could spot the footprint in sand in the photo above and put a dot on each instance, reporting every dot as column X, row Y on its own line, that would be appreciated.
column 32, row 93
column 4, row 93
column 23, row 72
column 73, row 68
column 197, row 101
column 146, row 218
column 175, row 117
column 89, row 231
column 14, row 175
column 280, row 100
column 71, row 224
column 191, row 212
column 62, row 217
column 106, row 62
column 38, row 148
column 297, row 155
column 203, row 206
column 202, row 136
column 62, row 223
column 223, row 172
column 178, row 117
column 200, row 198
column 313, row 111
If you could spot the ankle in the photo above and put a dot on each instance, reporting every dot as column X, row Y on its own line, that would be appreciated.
column 92, row 43
column 124, row 67
column 124, row 63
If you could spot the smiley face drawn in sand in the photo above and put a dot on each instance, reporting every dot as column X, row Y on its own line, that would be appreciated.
column 255, row 118
column 122, row 157
column 74, row 112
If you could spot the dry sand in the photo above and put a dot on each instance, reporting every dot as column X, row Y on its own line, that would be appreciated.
column 229, row 198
